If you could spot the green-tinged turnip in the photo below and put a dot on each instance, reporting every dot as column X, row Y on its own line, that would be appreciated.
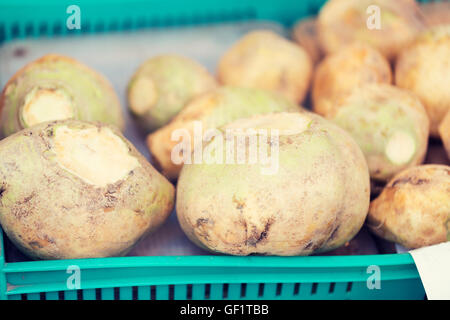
column 72, row 189
column 389, row 124
column 162, row 86
column 306, row 191
column 56, row 87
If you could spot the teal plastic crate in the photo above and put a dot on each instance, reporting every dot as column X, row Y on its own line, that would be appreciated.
column 188, row 277
column 212, row 277
column 29, row 18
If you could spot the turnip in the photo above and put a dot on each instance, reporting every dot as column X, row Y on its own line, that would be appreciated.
column 424, row 68
column 72, row 189
column 162, row 86
column 56, row 87
column 262, row 59
column 389, row 124
column 315, row 201
column 344, row 71
column 414, row 207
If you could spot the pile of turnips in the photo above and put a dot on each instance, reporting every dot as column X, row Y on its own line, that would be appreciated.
column 337, row 108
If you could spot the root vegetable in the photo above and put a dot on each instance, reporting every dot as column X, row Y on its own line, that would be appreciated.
column 56, row 87
column 414, row 208
column 163, row 85
column 265, row 60
column 344, row 71
column 213, row 109
column 72, row 189
column 386, row 25
column 424, row 68
column 315, row 201
column 389, row 124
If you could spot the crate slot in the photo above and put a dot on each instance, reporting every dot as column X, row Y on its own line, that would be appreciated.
column 134, row 293
column 57, row 28
column 279, row 289
column 261, row 290
column 331, row 288
column 296, row 289
column 225, row 290
column 141, row 22
column 127, row 24
column 207, row 291
column 153, row 292
column 2, row 33
column 171, row 292
column 43, row 29
column 189, row 292
column 243, row 289
column 98, row 294
column 99, row 26
column 314, row 288
column 113, row 25
column 29, row 29
column 15, row 30
column 349, row 287
column 85, row 27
